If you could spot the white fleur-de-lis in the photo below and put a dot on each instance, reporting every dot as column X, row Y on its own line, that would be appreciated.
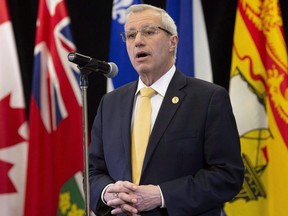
column 119, row 9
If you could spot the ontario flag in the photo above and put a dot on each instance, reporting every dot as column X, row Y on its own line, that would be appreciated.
column 193, row 54
column 117, row 52
column 259, row 95
column 55, row 150
column 13, row 124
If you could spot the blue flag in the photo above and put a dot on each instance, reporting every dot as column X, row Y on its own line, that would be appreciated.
column 118, row 53
column 193, row 56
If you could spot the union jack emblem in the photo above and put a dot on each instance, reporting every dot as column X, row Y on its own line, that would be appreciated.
column 51, row 66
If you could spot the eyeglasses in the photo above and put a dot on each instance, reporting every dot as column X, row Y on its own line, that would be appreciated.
column 147, row 32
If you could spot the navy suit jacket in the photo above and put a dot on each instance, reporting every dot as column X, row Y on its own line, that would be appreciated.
column 193, row 153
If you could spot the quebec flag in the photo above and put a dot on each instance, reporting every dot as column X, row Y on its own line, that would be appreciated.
column 193, row 56
column 118, row 53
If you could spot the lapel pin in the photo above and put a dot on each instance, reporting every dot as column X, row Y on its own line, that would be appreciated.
column 175, row 100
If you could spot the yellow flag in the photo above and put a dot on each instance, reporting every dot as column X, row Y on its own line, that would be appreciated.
column 259, row 95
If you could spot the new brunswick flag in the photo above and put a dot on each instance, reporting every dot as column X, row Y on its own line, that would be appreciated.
column 55, row 148
column 259, row 94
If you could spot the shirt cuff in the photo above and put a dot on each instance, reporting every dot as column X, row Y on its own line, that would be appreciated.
column 102, row 194
column 162, row 198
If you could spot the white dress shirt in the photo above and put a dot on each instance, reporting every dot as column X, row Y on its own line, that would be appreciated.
column 160, row 86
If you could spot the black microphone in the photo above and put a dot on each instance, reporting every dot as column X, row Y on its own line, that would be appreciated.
column 88, row 64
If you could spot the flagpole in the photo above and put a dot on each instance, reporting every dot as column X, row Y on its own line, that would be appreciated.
column 84, row 88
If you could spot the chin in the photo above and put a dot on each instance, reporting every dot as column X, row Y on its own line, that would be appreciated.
column 142, row 68
column 143, row 71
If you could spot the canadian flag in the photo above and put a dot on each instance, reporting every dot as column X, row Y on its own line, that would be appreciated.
column 13, row 125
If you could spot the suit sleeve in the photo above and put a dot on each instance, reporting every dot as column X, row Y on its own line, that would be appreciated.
column 98, row 174
column 221, row 177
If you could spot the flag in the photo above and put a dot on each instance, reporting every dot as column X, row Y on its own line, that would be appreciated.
column 193, row 55
column 259, row 95
column 13, row 124
column 56, row 147
column 117, row 52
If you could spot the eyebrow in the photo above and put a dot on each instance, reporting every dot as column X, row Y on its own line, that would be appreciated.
column 145, row 26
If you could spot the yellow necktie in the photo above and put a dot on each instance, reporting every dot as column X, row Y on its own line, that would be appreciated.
column 141, row 132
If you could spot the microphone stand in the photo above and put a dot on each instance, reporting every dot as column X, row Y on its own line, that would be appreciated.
column 84, row 86
column 86, row 66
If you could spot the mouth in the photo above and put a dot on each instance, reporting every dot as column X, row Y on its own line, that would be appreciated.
column 141, row 55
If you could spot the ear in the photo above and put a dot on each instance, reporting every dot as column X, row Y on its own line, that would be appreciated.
column 173, row 43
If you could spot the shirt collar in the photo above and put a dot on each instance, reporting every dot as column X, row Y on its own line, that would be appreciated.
column 161, row 85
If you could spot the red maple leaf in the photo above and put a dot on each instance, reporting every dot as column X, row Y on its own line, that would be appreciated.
column 10, row 121
column 6, row 185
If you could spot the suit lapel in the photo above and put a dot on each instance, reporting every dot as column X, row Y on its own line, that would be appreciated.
column 126, row 108
column 172, row 100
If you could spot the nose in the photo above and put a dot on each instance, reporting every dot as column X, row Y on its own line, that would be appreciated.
column 139, row 39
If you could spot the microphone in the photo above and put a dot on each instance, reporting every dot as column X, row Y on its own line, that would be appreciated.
column 88, row 64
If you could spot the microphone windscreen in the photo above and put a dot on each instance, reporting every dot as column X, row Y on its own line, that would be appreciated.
column 113, row 71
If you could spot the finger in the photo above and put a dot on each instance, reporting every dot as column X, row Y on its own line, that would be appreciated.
column 129, row 209
column 126, row 184
column 128, row 197
column 115, row 195
column 129, row 185
column 115, row 202
column 121, row 186
column 116, row 211
column 125, row 208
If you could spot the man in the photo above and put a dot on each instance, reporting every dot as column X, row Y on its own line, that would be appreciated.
column 192, row 162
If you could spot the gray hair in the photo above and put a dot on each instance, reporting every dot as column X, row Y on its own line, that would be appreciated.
column 167, row 22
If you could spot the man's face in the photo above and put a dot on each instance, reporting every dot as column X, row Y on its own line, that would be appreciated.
column 149, row 53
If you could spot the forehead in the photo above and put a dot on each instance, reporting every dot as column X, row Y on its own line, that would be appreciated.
column 142, row 19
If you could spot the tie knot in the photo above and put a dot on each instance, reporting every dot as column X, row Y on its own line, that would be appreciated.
column 147, row 92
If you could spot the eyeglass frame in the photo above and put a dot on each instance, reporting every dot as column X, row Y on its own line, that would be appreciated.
column 124, row 38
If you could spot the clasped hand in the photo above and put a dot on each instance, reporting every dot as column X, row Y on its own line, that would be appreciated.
column 126, row 197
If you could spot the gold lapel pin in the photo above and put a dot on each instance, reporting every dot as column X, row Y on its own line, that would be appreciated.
column 175, row 100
